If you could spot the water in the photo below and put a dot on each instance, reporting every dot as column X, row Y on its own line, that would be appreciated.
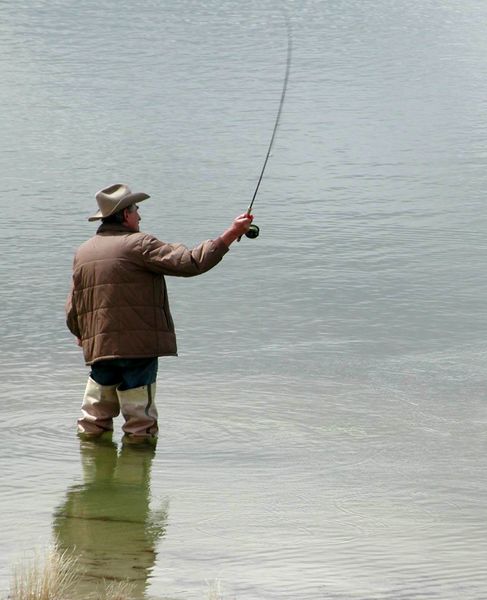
column 323, row 429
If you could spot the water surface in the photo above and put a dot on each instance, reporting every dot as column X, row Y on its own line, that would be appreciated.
column 323, row 429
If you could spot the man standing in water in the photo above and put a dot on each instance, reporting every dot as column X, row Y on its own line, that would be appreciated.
column 118, row 309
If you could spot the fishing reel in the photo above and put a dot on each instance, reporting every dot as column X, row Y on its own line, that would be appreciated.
column 253, row 232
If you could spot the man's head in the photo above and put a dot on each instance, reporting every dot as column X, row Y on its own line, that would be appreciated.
column 129, row 217
column 117, row 204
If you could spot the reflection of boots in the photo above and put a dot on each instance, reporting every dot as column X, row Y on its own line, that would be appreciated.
column 139, row 411
column 98, row 460
column 100, row 406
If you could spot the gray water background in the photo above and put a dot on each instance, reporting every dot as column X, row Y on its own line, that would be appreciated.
column 323, row 431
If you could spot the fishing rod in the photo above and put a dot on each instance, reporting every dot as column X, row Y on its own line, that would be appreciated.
column 253, row 231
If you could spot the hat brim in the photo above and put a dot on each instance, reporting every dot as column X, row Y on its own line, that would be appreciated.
column 127, row 201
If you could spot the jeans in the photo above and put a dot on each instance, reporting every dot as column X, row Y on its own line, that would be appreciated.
column 129, row 373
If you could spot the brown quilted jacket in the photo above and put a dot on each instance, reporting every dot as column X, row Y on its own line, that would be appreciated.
column 118, row 304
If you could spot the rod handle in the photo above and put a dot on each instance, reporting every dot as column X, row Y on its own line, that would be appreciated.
column 250, row 216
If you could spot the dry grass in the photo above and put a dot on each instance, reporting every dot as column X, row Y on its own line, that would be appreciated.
column 47, row 578
column 53, row 576
column 120, row 590
column 214, row 590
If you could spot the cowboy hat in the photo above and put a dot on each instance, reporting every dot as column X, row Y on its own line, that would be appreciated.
column 114, row 198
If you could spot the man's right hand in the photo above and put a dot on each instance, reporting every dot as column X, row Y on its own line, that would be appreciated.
column 239, row 227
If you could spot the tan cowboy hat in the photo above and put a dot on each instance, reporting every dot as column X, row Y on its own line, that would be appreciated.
column 114, row 198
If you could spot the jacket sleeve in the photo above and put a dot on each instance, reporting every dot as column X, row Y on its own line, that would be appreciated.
column 71, row 314
column 176, row 259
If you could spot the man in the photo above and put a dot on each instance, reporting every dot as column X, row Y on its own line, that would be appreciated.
column 118, row 309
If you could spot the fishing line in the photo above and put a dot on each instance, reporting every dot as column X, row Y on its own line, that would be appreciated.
column 253, row 231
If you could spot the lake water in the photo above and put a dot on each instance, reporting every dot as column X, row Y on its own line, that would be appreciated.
column 323, row 431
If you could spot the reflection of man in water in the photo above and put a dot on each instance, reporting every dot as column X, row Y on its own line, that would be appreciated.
column 107, row 520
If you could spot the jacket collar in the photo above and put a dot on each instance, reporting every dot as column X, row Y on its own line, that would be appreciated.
column 113, row 228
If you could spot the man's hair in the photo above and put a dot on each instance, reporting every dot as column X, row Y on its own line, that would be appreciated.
column 117, row 218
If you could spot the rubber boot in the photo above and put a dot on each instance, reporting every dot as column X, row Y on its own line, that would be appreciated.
column 100, row 406
column 140, row 413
